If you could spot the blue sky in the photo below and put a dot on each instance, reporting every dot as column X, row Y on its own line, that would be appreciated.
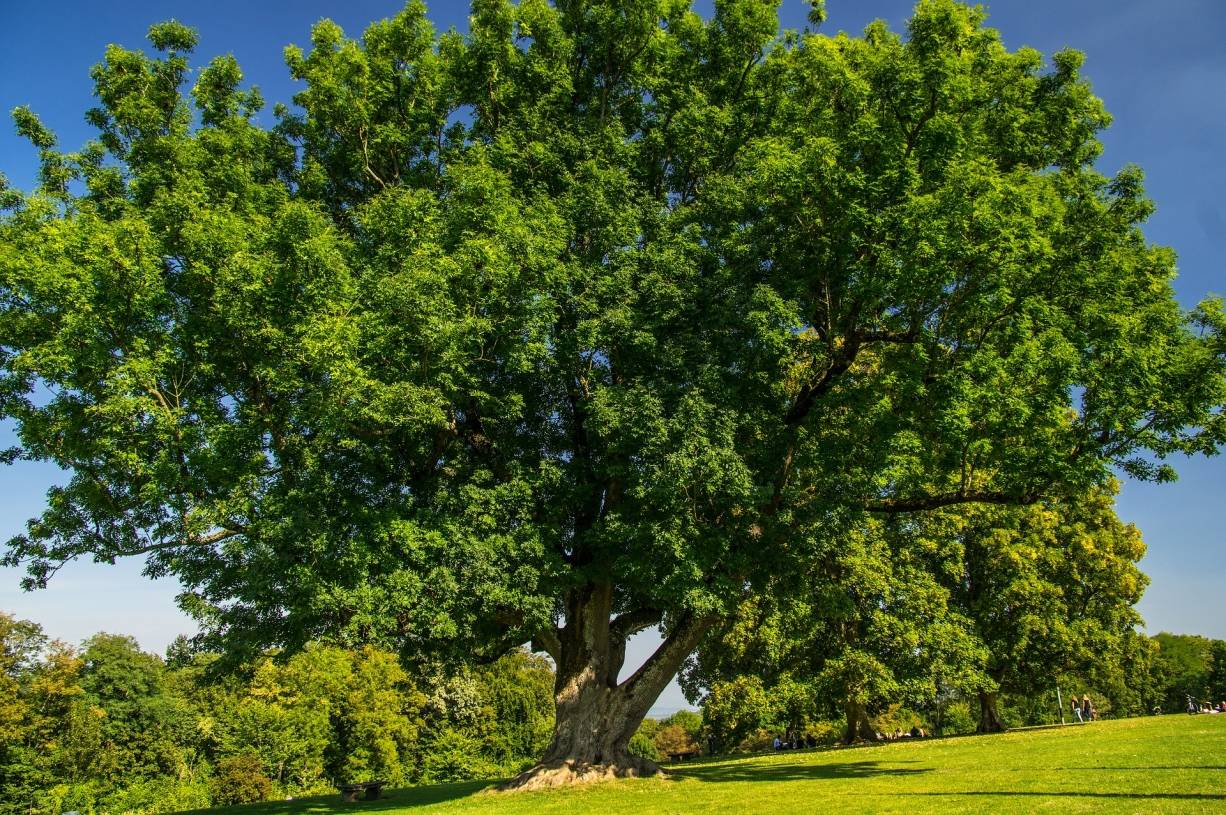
column 1160, row 67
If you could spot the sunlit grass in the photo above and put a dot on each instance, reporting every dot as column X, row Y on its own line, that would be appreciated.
column 1163, row 764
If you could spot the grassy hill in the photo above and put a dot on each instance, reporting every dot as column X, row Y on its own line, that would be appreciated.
column 1165, row 764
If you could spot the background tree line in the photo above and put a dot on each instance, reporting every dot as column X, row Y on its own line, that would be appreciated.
column 745, row 713
column 108, row 728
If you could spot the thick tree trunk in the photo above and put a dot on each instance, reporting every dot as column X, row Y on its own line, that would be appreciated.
column 595, row 714
column 859, row 728
column 989, row 717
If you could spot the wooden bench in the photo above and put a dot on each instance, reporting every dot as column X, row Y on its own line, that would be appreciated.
column 363, row 790
column 682, row 756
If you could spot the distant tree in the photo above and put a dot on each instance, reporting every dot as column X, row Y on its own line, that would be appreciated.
column 21, row 645
column 289, row 732
column 679, row 733
column 590, row 320
column 211, row 696
column 142, row 721
column 1184, row 666
column 54, row 748
column 1051, row 590
column 734, row 708
column 361, row 702
column 873, row 628
column 1126, row 680
column 643, row 743
column 1217, row 676
column 674, row 738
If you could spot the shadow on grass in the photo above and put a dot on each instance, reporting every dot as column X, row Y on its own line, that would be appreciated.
column 791, row 771
column 333, row 805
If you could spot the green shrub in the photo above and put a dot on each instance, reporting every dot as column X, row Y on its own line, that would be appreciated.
column 957, row 719
column 643, row 746
column 455, row 755
column 757, row 741
column 157, row 795
column 896, row 718
column 82, row 798
column 825, row 732
column 241, row 780
column 688, row 720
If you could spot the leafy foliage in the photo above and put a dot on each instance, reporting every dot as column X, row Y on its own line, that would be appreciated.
column 114, row 729
column 1051, row 589
column 872, row 626
column 240, row 780
column 968, row 601
column 593, row 319
column 1189, row 666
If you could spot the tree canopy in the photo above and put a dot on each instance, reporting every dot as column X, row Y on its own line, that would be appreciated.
column 588, row 320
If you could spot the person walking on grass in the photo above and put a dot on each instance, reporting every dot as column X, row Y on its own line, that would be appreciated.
column 1076, row 708
column 1087, row 709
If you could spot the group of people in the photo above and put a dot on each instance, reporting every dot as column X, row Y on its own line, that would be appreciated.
column 1205, row 707
column 1083, row 709
column 798, row 743
column 915, row 732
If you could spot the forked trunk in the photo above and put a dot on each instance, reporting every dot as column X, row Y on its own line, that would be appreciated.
column 859, row 728
column 590, row 742
column 989, row 716
column 595, row 715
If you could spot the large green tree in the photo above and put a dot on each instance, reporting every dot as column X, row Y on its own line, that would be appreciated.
column 586, row 321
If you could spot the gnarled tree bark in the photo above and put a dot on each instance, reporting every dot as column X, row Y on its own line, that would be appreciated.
column 595, row 714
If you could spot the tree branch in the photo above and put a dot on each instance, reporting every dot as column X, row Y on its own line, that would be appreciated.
column 925, row 502
column 896, row 337
column 809, row 394
column 643, row 686
column 204, row 540
column 547, row 640
column 627, row 625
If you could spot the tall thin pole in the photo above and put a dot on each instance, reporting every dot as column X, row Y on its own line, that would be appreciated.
column 1060, row 702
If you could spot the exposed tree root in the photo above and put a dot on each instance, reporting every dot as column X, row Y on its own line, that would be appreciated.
column 569, row 772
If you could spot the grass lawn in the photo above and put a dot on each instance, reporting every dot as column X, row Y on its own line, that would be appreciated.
column 1173, row 763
